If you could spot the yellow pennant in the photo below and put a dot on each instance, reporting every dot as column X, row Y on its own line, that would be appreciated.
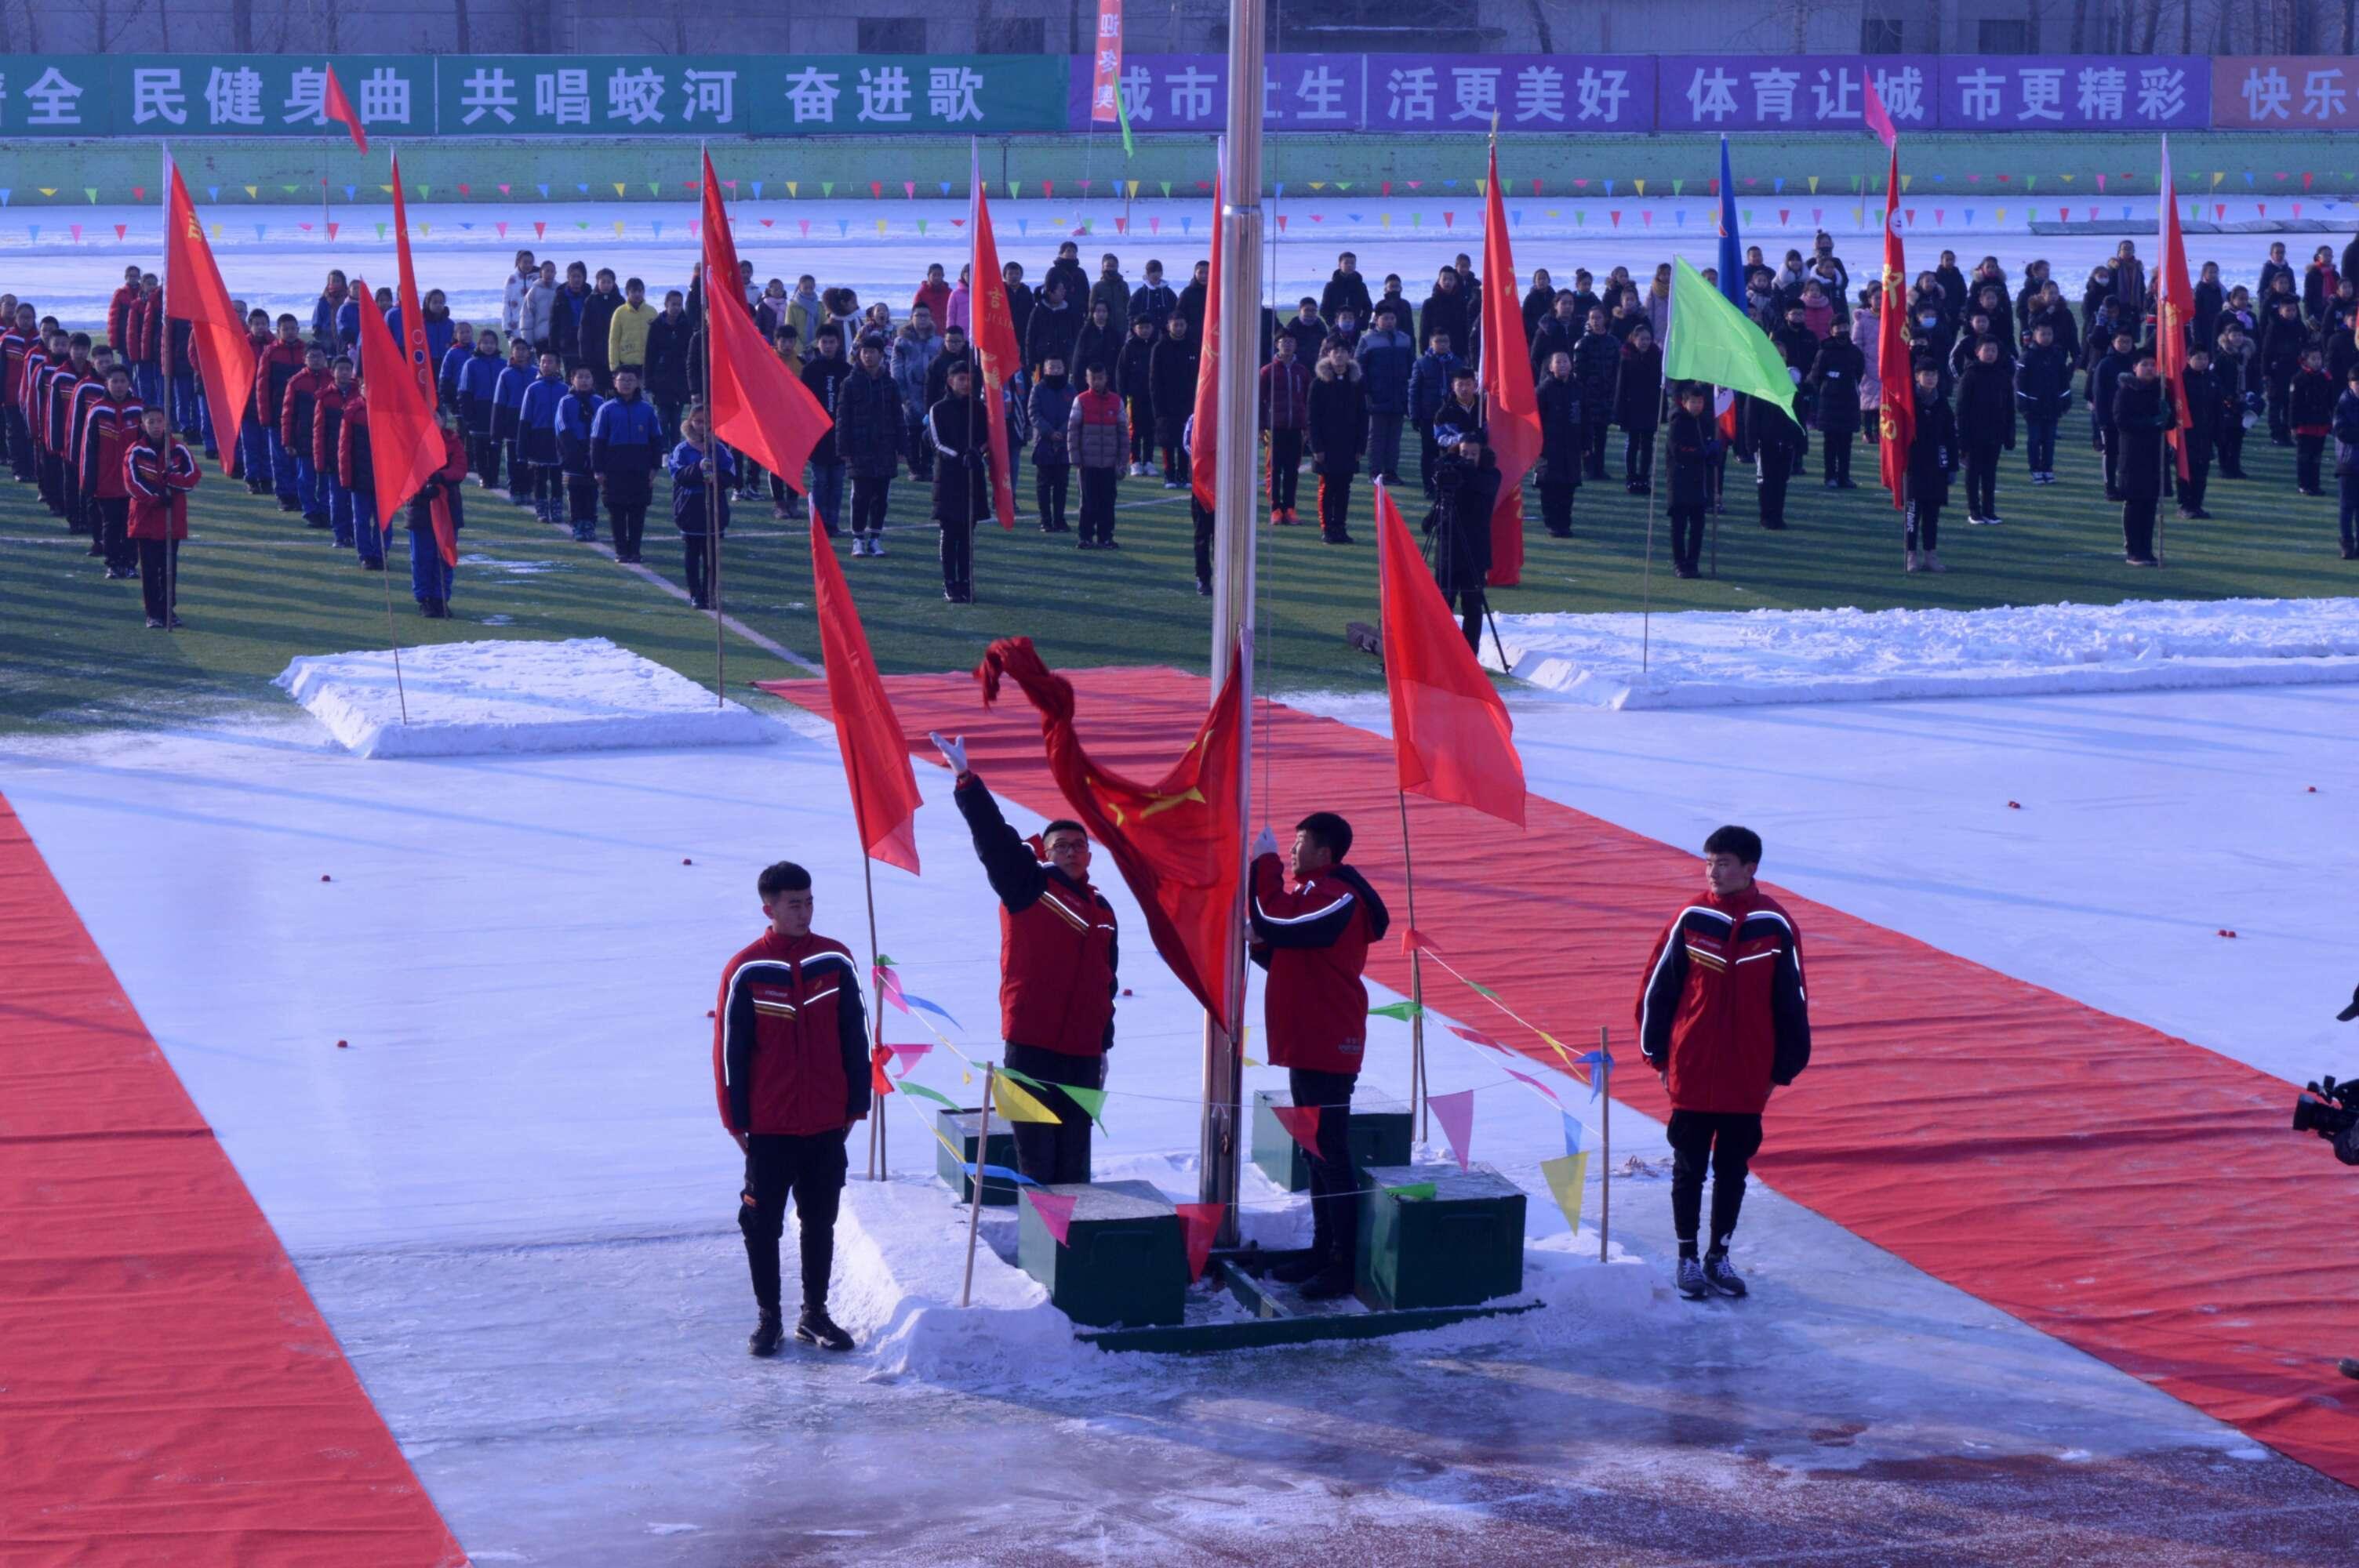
column 618, row 228
column 791, row 185
column 618, row 187
column 2001, row 214
column 1566, row 1173
column 1133, row 189
column 48, row 191
column 1641, row 186
column 1814, row 184
column 1016, row 1102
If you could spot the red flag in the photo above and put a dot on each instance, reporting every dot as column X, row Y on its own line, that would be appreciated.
column 1899, row 426
column 1178, row 842
column 1451, row 728
column 413, row 320
column 759, row 406
column 1511, row 406
column 876, row 764
column 1105, row 103
column 339, row 107
column 1204, row 452
column 2174, row 297
column 998, row 357
column 405, row 443
column 194, row 294
column 1879, row 119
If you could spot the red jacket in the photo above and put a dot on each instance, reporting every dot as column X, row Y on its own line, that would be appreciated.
column 936, row 298
column 328, row 426
column 273, row 367
column 108, row 429
column 118, row 316
column 1313, row 940
column 1721, row 1012
column 1057, row 951
column 789, row 1039
column 296, row 406
column 159, row 481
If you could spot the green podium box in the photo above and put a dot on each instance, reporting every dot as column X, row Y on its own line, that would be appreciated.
column 959, row 1129
column 1459, row 1247
column 1379, row 1136
column 1124, row 1259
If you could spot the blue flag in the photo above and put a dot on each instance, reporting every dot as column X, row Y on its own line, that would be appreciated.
column 1732, row 249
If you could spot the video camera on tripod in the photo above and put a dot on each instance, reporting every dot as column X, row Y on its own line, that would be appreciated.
column 2331, row 1108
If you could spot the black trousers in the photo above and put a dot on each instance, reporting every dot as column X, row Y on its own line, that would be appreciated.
column 811, row 1169
column 1727, row 1140
column 701, row 566
column 1335, row 501
column 581, row 503
column 1335, row 1184
column 2137, row 527
column 1142, row 429
column 2111, row 440
column 1769, row 482
column 1060, row 1153
column 20, row 445
column 1687, row 538
column 159, row 579
column 1050, row 483
column 2232, row 447
column 484, row 452
column 1203, row 521
column 112, row 517
column 1471, row 605
column 868, row 499
column 1599, row 425
column 626, row 521
column 1921, row 525
column 1838, row 444
column 1639, row 457
column 1982, row 479
column 2307, row 451
column 1099, row 486
column 958, row 554
column 2277, row 398
column 2191, row 489
column 1556, row 506
column 1428, row 454
column 1285, row 467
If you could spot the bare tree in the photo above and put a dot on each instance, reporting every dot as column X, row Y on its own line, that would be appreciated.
column 112, row 24
column 2031, row 26
column 2079, row 25
column 2153, row 24
column 1933, row 26
column 1546, row 38
column 463, row 30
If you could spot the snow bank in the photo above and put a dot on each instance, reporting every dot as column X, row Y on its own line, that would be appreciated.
column 1712, row 659
column 471, row 697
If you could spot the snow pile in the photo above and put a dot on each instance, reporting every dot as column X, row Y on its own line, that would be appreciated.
column 462, row 698
column 1713, row 659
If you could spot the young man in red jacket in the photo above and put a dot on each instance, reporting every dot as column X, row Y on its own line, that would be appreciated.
column 158, row 472
column 1313, row 939
column 1057, row 962
column 790, row 1069
column 1722, row 1016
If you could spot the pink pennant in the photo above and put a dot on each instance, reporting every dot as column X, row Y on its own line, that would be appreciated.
column 730, row 185
column 888, row 986
column 1055, row 1209
column 1415, row 184
column 139, row 192
column 2260, row 209
column 1389, row 188
column 1616, row 213
column 1528, row 1078
column 1646, row 217
column 539, row 230
column 1456, row 1114
column 503, row 228
column 1302, row 1121
column 1478, row 1037
column 119, row 228
column 1121, row 225
column 466, row 189
column 1449, row 219
column 1782, row 214
column 1938, row 215
column 767, row 222
column 77, row 232
column 504, row 191
column 331, row 229
column 909, row 188
column 2297, row 209
column 805, row 223
column 1412, row 939
column 1086, row 184
column 1048, row 189
column 910, row 1056
column 1154, row 225
column 1201, row 1222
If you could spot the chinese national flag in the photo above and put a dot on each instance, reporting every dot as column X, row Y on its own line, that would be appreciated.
column 1511, row 404
column 2174, row 298
column 1451, row 728
column 1178, row 842
column 1898, row 428
column 339, row 107
column 1204, row 452
column 759, row 406
column 194, row 294
column 876, row 764
column 405, row 443
column 413, row 320
column 997, row 355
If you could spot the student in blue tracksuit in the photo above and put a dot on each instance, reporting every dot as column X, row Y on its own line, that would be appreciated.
column 537, row 461
column 577, row 415
column 700, row 531
column 625, row 448
column 348, row 325
column 448, row 365
column 330, row 304
column 507, row 424
column 478, row 380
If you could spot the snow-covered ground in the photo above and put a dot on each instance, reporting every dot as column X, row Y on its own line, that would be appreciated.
column 69, row 260
column 511, row 1200
column 1720, row 659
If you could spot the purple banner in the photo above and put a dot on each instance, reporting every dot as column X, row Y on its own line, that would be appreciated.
column 1388, row 92
column 2068, row 93
column 1793, row 92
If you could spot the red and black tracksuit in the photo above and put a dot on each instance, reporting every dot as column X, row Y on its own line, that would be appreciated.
column 1313, row 940
column 15, row 346
column 1057, row 961
column 791, row 1071
column 109, row 427
column 1722, row 1016
column 158, row 479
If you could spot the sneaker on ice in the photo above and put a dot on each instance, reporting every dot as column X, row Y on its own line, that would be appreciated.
column 1692, row 1284
column 1722, row 1276
column 764, row 1340
column 815, row 1327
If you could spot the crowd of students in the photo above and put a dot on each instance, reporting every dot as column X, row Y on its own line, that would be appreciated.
column 584, row 390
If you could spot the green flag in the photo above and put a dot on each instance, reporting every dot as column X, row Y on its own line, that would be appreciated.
column 1712, row 340
column 904, row 1087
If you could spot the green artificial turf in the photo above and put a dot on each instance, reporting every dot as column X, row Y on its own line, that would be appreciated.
column 258, row 588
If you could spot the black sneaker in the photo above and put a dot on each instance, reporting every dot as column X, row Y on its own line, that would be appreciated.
column 1204, row 584
column 155, row 625
column 764, row 1340
column 1691, row 1283
column 815, row 1327
column 1331, row 1283
column 1722, row 1276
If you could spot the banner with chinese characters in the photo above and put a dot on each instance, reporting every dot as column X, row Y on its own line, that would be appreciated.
column 1389, row 93
column 2283, row 93
column 1946, row 93
column 525, row 95
column 1105, row 109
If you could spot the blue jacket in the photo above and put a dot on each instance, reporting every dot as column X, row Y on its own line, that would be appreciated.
column 1050, row 409
column 507, row 398
column 1386, row 360
column 478, row 378
column 348, row 324
column 446, row 376
column 441, row 332
column 537, row 408
column 687, row 502
column 576, row 417
column 626, row 438
column 1429, row 384
column 325, row 316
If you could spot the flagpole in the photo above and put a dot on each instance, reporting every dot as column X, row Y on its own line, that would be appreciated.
column 974, row 1185
column 172, row 555
column 713, row 476
column 876, row 1154
column 1605, row 1081
column 1417, row 1097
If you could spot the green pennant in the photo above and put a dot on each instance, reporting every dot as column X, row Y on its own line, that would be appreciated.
column 91, row 192
column 1414, row 1191
column 827, row 187
column 904, row 1085
column 1343, row 185
column 1404, row 1010
column 1482, row 990
column 1676, row 185
column 884, row 960
column 1026, row 1079
column 1121, row 112
column 1167, row 186
column 1091, row 1100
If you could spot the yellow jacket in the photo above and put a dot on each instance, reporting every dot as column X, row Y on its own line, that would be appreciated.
column 626, row 336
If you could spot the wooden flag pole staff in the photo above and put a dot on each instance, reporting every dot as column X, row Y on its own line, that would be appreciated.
column 172, row 555
column 1605, row 1141
column 974, row 1187
column 1417, row 1096
column 713, row 480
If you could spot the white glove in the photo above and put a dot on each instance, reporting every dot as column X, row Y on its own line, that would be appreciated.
column 952, row 748
column 1265, row 842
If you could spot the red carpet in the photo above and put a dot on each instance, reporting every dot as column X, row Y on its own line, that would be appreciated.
column 169, row 1394
column 2133, row 1194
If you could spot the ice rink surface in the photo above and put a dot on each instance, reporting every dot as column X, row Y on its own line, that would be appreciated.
column 511, row 1200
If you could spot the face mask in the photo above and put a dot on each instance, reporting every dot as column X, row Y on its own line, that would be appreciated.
column 1929, row 320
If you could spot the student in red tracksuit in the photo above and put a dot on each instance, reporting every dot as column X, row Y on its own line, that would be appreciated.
column 1313, row 939
column 110, row 424
column 791, row 1069
column 1057, row 961
column 1722, row 1016
column 158, row 472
